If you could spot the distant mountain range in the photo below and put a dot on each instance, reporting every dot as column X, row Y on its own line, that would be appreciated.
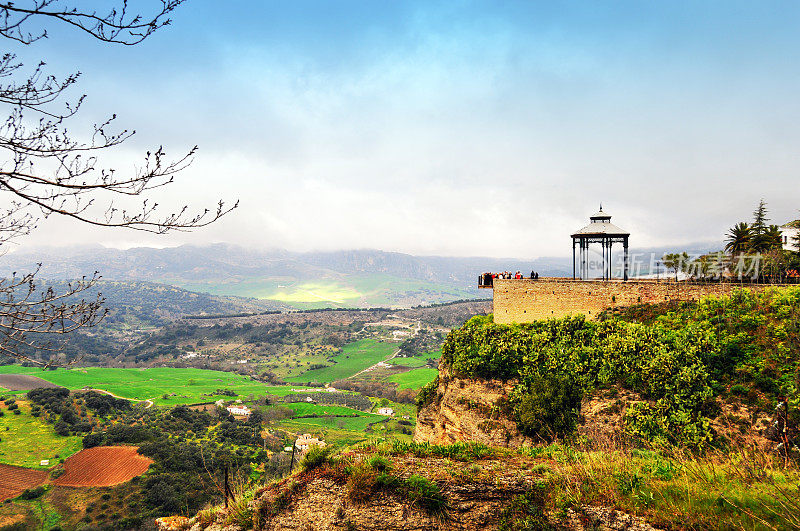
column 338, row 278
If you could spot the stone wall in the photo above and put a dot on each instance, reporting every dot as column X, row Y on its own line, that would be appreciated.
column 526, row 300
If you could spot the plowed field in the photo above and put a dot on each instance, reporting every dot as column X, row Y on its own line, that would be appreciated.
column 15, row 479
column 23, row 382
column 103, row 466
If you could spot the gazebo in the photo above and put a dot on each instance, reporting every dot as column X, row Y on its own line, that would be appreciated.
column 599, row 230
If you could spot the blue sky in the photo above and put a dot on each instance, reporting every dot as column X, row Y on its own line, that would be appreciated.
column 455, row 128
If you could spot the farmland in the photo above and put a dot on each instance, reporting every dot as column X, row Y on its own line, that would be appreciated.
column 323, row 416
column 414, row 379
column 354, row 357
column 165, row 386
column 22, row 382
column 103, row 466
column 26, row 440
column 14, row 479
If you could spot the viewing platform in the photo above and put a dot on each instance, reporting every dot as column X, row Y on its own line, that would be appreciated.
column 525, row 300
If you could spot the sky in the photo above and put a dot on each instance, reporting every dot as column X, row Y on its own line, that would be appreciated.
column 450, row 128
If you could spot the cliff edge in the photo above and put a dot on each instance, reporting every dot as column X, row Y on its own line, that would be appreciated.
column 474, row 409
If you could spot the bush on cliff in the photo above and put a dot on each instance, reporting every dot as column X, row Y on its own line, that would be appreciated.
column 549, row 407
column 679, row 362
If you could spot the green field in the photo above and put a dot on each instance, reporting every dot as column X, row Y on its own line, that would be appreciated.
column 26, row 440
column 306, row 408
column 355, row 357
column 188, row 385
column 327, row 418
column 416, row 361
column 413, row 379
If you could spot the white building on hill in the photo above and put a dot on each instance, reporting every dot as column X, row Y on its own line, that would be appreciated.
column 789, row 235
column 386, row 411
column 306, row 441
column 243, row 411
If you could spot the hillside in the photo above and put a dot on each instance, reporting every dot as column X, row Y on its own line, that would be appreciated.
column 651, row 418
column 350, row 278
column 691, row 368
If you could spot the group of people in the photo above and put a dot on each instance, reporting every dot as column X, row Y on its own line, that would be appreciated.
column 487, row 279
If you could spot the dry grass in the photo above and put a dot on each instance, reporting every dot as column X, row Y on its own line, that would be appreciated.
column 742, row 488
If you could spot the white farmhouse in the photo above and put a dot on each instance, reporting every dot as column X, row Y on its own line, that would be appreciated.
column 386, row 411
column 789, row 234
column 306, row 441
column 243, row 411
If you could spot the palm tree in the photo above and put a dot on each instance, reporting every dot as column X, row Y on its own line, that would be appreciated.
column 738, row 238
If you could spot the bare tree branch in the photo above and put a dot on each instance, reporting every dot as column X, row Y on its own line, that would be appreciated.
column 47, row 171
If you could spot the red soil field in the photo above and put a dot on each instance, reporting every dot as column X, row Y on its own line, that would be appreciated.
column 103, row 466
column 15, row 479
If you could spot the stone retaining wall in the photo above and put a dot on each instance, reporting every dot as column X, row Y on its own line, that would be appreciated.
column 526, row 300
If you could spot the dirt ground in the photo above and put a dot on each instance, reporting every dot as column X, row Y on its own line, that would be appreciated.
column 23, row 382
column 15, row 479
column 103, row 466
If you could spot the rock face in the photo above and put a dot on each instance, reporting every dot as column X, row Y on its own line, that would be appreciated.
column 469, row 410
column 493, row 493
column 326, row 505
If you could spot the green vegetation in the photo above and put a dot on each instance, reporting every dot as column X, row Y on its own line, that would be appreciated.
column 164, row 386
column 354, row 357
column 420, row 360
column 680, row 363
column 313, row 417
column 26, row 440
column 466, row 452
column 740, row 489
column 414, row 379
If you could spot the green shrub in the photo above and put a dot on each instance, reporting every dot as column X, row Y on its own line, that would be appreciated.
column 32, row 494
column 469, row 451
column 739, row 390
column 426, row 494
column 427, row 393
column 380, row 463
column 549, row 407
column 526, row 513
column 316, row 457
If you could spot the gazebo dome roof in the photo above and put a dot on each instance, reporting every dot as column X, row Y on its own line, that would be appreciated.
column 601, row 226
column 600, row 215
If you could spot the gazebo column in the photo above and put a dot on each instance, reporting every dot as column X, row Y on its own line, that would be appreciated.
column 603, row 254
column 573, row 258
column 625, row 247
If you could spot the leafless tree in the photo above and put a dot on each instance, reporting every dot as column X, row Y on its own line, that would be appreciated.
column 47, row 171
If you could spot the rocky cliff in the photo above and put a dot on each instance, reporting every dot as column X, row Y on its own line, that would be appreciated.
column 471, row 488
column 475, row 410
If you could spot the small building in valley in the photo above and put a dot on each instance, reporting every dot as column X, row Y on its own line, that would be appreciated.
column 239, row 410
column 386, row 411
column 306, row 441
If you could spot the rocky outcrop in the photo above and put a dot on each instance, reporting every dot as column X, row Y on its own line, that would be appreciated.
column 499, row 491
column 476, row 410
